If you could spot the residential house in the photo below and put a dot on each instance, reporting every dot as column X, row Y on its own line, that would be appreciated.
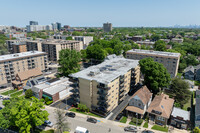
column 22, row 77
column 139, row 102
column 197, row 109
column 160, row 109
column 180, row 118
column 189, row 73
column 197, row 70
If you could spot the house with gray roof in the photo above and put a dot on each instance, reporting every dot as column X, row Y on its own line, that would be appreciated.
column 197, row 70
column 180, row 118
column 189, row 73
column 197, row 109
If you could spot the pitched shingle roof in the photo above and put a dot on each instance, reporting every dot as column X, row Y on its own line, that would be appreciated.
column 29, row 73
column 162, row 104
column 144, row 94
column 190, row 68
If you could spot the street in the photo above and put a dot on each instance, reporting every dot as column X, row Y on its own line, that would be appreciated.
column 102, row 126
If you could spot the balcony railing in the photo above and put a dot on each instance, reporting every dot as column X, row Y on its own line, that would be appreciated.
column 103, row 87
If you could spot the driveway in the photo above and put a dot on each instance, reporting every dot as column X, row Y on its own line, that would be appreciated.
column 63, row 104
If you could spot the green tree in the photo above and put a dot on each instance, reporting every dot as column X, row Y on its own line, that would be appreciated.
column 118, row 49
column 69, row 61
column 61, row 121
column 196, row 130
column 96, row 52
column 69, row 38
column 83, row 54
column 160, row 45
column 109, row 50
column 191, row 60
column 23, row 114
column 28, row 93
column 179, row 90
column 155, row 74
column 126, row 48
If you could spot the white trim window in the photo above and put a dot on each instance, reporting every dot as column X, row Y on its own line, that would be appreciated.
column 160, row 118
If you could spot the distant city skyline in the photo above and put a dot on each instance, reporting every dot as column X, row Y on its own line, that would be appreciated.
column 88, row 13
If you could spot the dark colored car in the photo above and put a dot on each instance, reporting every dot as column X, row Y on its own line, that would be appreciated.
column 2, row 87
column 131, row 129
column 119, row 116
column 70, row 114
column 1, row 108
column 6, row 98
column 92, row 120
column 147, row 131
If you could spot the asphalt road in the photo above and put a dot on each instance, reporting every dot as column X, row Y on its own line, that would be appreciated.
column 99, row 127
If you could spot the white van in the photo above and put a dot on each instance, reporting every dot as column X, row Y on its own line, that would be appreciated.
column 81, row 130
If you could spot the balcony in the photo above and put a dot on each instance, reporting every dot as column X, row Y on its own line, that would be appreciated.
column 103, row 104
column 103, row 87
column 122, row 93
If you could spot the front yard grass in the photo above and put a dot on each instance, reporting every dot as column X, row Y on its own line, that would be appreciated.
column 188, row 104
column 8, row 92
column 134, row 121
column 160, row 128
column 146, row 125
column 16, row 94
column 123, row 119
column 85, row 113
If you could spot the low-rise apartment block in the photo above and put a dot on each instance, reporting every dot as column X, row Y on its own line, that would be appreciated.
column 34, row 45
column 85, row 39
column 168, row 59
column 12, row 64
column 178, row 40
column 19, row 47
column 52, row 47
column 102, row 87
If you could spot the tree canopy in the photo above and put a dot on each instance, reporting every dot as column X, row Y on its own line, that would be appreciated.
column 155, row 74
column 69, row 61
column 160, row 45
column 96, row 52
column 179, row 90
column 22, row 114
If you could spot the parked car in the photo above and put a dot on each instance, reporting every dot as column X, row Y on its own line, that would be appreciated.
column 92, row 120
column 48, row 123
column 3, row 86
column 1, row 97
column 7, row 98
column 130, row 129
column 119, row 116
column 1, row 108
column 70, row 114
column 81, row 130
column 147, row 131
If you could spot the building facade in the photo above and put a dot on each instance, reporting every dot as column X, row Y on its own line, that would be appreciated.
column 197, row 109
column 107, row 27
column 85, row 39
column 35, row 45
column 12, row 64
column 52, row 47
column 19, row 47
column 168, row 59
column 102, row 87
column 33, row 23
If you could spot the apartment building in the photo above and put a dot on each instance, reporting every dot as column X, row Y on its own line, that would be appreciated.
column 85, row 39
column 102, row 87
column 19, row 47
column 52, row 47
column 107, row 27
column 34, row 45
column 168, row 59
column 12, row 64
column 20, row 41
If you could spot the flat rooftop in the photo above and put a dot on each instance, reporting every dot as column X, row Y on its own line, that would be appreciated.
column 54, row 86
column 181, row 113
column 151, row 52
column 57, row 41
column 20, row 55
column 110, row 69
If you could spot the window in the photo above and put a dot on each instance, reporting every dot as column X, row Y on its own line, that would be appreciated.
column 139, row 104
column 160, row 118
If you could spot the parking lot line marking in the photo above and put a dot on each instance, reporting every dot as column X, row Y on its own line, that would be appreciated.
column 120, row 126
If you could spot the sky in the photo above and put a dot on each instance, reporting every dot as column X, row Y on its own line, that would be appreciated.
column 93, row 13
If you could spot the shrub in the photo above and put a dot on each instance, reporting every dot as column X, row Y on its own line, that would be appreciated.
column 42, row 100
column 28, row 93
column 46, row 99
column 49, row 102
column 83, row 108
column 139, row 121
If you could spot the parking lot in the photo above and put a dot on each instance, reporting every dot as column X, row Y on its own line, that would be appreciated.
column 63, row 104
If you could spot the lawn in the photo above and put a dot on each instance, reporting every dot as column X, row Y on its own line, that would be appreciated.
column 85, row 113
column 146, row 125
column 8, row 92
column 16, row 94
column 123, row 119
column 134, row 121
column 48, row 131
column 197, row 83
column 160, row 128
column 188, row 104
